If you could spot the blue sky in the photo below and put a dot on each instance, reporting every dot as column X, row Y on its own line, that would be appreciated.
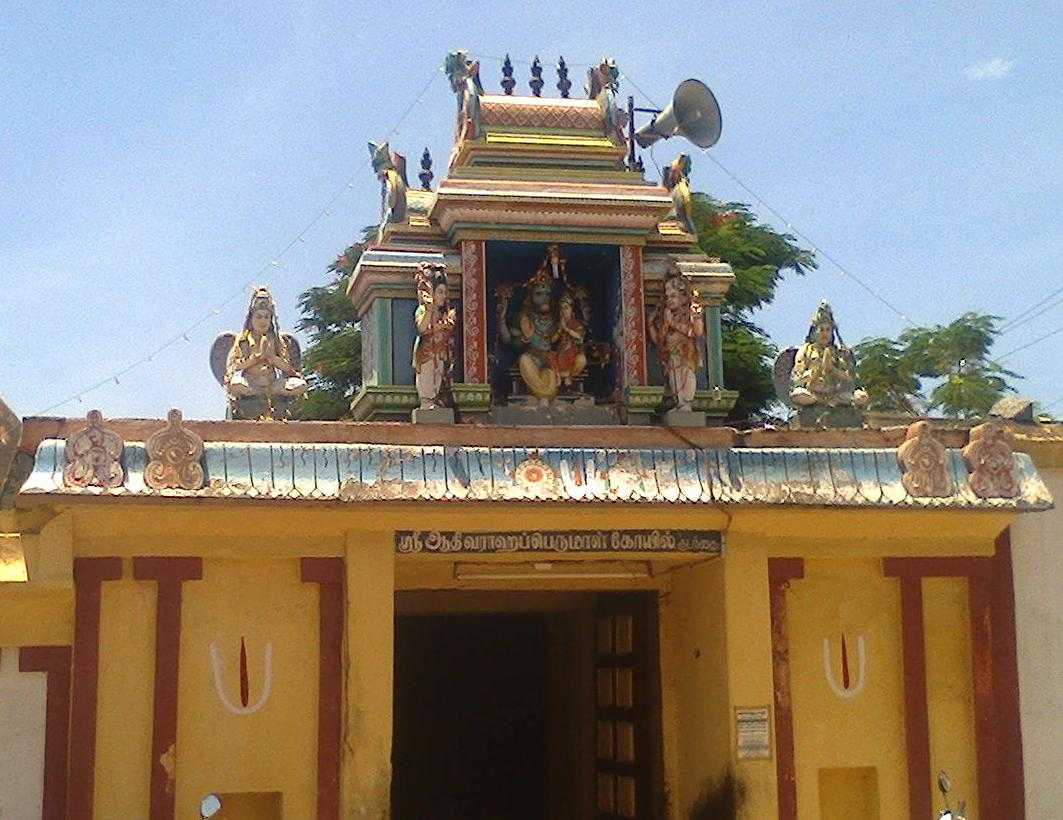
column 156, row 158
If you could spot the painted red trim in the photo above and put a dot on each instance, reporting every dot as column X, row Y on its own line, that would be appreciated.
column 54, row 661
column 89, row 575
column 167, row 569
column 916, row 716
column 939, row 567
column 328, row 574
column 998, row 732
column 168, row 573
column 780, row 572
column 1006, row 684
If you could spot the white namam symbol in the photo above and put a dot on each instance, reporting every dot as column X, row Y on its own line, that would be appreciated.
column 848, row 688
column 244, row 707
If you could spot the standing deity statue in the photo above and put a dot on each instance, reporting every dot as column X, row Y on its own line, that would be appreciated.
column 259, row 366
column 551, row 339
column 674, row 327
column 464, row 76
column 390, row 169
column 435, row 321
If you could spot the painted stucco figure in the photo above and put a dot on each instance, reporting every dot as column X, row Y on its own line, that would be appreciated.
column 602, row 85
column 548, row 330
column 390, row 169
column 823, row 371
column 990, row 462
column 433, row 351
column 674, row 327
column 677, row 181
column 259, row 367
column 464, row 76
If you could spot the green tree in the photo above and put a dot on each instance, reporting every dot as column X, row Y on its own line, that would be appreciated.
column 954, row 358
column 333, row 359
column 760, row 257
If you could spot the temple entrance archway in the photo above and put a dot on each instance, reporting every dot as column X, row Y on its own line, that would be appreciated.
column 526, row 706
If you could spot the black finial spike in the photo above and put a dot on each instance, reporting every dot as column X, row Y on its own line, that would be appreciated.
column 508, row 83
column 426, row 171
column 564, row 84
column 536, row 82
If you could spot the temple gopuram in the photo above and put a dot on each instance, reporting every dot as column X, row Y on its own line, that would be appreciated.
column 535, row 573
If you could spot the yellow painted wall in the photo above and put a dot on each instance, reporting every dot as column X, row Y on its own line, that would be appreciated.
column 125, row 697
column 866, row 730
column 950, row 704
column 748, row 624
column 274, row 749
column 369, row 681
column 694, row 682
column 716, row 639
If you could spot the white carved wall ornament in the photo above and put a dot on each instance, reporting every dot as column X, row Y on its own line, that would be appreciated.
column 846, row 689
column 219, row 684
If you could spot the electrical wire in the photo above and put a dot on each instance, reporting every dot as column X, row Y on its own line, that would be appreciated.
column 817, row 248
column 1025, row 317
column 1038, row 340
column 323, row 212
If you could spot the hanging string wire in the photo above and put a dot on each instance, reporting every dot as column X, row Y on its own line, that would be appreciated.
column 184, row 335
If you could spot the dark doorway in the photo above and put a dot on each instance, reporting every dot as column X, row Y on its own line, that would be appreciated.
column 472, row 717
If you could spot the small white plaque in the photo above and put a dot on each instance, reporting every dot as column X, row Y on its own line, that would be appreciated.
column 753, row 732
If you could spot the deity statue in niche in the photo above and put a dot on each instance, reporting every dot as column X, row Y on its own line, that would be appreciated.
column 434, row 318
column 674, row 328
column 548, row 330
column 259, row 366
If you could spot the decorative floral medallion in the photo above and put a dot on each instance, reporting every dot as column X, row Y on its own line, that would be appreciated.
column 94, row 456
column 923, row 462
column 174, row 453
column 990, row 462
column 536, row 478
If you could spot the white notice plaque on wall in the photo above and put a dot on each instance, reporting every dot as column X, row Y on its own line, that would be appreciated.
column 753, row 732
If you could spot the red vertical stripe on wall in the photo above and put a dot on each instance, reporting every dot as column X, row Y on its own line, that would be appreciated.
column 780, row 572
column 55, row 662
column 168, row 573
column 328, row 573
column 89, row 575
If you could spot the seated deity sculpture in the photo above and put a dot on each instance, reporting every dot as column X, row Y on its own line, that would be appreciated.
column 674, row 328
column 547, row 331
column 820, row 376
column 435, row 322
column 259, row 366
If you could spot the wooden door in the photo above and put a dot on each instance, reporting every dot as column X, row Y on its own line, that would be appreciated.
column 627, row 714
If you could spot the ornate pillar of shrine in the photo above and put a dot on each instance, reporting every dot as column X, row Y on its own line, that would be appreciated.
column 640, row 399
column 473, row 392
column 712, row 279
